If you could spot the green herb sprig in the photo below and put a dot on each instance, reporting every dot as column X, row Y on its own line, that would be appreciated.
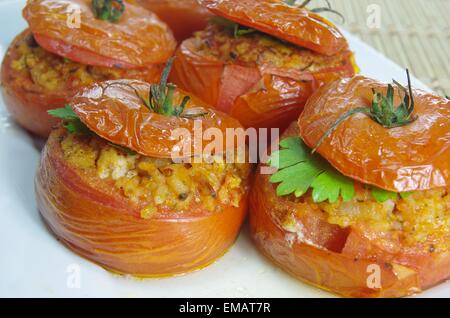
column 237, row 29
column 70, row 120
column 298, row 170
column 75, row 126
column 108, row 10
column 382, row 110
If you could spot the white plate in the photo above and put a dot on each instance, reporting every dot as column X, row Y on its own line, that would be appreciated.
column 34, row 264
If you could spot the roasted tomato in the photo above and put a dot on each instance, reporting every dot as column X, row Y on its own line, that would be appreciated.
column 298, row 26
column 362, row 244
column 258, row 77
column 35, row 81
column 184, row 17
column 48, row 62
column 114, row 198
column 146, row 132
column 137, row 39
column 406, row 158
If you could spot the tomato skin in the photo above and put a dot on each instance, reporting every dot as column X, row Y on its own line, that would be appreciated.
column 331, row 271
column 298, row 26
column 78, row 54
column 413, row 157
column 114, row 111
column 256, row 96
column 107, row 229
column 29, row 109
column 28, row 102
column 333, row 258
column 183, row 17
column 138, row 39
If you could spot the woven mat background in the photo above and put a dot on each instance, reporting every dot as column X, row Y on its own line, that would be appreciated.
column 413, row 33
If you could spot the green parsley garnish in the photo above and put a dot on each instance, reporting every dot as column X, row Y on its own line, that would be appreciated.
column 381, row 195
column 75, row 126
column 71, row 121
column 108, row 10
column 300, row 170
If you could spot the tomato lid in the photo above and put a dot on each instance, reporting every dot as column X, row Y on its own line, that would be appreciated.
column 293, row 24
column 116, row 112
column 410, row 157
column 70, row 29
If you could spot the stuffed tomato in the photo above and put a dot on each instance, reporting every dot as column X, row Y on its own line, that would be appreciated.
column 259, row 61
column 368, row 214
column 109, row 187
column 184, row 17
column 69, row 45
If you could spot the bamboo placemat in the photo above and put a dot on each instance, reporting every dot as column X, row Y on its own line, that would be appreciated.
column 413, row 33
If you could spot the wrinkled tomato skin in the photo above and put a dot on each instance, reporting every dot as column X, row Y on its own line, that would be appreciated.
column 341, row 263
column 411, row 157
column 80, row 55
column 138, row 39
column 282, row 99
column 28, row 103
column 183, row 17
column 257, row 98
column 114, row 110
column 107, row 229
column 295, row 25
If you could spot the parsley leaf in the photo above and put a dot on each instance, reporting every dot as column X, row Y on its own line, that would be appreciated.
column 71, row 121
column 330, row 184
column 75, row 126
column 63, row 113
column 381, row 195
column 293, row 152
column 299, row 170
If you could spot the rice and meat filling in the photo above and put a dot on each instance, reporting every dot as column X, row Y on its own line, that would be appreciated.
column 54, row 73
column 158, row 182
column 261, row 49
column 420, row 219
